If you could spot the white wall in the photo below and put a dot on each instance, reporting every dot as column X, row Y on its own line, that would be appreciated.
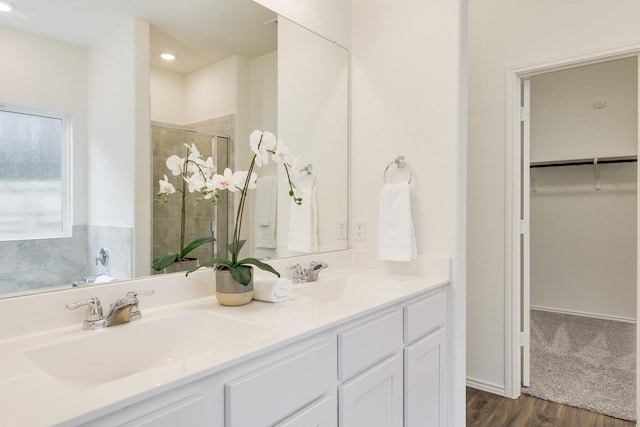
column 263, row 84
column 313, row 99
column 209, row 92
column 143, row 153
column 167, row 96
column 118, row 135
column 212, row 90
column 564, row 122
column 409, row 98
column 329, row 18
column 583, row 240
column 504, row 33
column 110, row 86
column 49, row 75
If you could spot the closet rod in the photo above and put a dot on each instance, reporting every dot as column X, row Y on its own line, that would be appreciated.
column 580, row 162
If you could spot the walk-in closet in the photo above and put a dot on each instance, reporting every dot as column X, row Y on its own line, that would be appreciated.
column 583, row 236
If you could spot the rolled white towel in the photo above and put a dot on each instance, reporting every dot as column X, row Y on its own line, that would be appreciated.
column 103, row 278
column 271, row 290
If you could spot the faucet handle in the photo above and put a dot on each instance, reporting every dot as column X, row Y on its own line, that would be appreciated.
column 317, row 265
column 133, row 294
column 94, row 317
column 135, row 310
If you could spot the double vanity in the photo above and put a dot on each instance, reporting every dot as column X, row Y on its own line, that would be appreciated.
column 355, row 348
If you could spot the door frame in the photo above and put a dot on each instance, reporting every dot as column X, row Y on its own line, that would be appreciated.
column 513, row 170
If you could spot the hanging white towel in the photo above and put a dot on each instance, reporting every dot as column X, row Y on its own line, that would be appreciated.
column 303, row 219
column 396, row 236
column 265, row 211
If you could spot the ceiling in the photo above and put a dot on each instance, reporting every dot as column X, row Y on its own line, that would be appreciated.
column 198, row 32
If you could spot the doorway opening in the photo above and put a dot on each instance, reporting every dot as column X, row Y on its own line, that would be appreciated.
column 571, row 213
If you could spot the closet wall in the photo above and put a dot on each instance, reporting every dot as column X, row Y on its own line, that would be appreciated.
column 583, row 240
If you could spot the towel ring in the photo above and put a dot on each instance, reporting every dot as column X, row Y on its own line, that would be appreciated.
column 400, row 163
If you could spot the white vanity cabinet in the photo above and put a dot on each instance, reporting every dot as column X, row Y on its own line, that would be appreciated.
column 425, row 380
column 382, row 368
column 408, row 387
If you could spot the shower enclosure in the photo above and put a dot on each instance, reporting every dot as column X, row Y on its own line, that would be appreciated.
column 202, row 219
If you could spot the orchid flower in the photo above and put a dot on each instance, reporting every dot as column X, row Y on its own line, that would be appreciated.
column 166, row 187
column 210, row 190
column 240, row 177
column 283, row 156
column 261, row 143
column 196, row 182
column 194, row 153
column 224, row 181
column 175, row 164
column 210, row 167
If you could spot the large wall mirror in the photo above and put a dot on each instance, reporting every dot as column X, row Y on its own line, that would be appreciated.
column 238, row 67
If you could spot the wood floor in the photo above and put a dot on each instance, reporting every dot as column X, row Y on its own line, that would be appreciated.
column 489, row 410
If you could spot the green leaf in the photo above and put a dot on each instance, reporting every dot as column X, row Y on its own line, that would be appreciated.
column 232, row 247
column 241, row 274
column 198, row 242
column 212, row 263
column 164, row 261
column 261, row 265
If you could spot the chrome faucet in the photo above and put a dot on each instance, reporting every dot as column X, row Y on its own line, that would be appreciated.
column 122, row 311
column 297, row 274
column 301, row 275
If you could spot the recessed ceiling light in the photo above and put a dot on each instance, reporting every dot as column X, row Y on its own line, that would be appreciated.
column 6, row 6
column 166, row 56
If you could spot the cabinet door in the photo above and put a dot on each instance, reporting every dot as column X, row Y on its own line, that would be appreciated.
column 373, row 398
column 425, row 382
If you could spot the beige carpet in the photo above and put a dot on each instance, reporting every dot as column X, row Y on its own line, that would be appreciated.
column 584, row 362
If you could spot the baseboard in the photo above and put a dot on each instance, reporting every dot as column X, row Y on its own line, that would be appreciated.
column 486, row 386
column 580, row 313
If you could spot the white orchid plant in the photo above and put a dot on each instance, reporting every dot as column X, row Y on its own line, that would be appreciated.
column 194, row 172
column 198, row 176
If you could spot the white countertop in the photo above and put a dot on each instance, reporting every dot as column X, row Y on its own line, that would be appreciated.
column 31, row 397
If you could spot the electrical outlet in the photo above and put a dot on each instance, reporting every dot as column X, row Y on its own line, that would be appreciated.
column 360, row 232
column 341, row 230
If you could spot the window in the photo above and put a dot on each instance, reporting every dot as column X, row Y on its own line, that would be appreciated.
column 35, row 191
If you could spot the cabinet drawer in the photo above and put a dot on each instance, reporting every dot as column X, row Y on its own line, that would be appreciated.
column 424, row 316
column 190, row 411
column 322, row 413
column 364, row 345
column 268, row 395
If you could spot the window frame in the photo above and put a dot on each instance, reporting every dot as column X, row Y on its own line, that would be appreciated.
column 66, row 162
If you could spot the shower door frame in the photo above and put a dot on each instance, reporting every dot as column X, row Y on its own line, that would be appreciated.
column 225, row 195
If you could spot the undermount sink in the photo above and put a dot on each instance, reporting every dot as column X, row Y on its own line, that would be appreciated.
column 351, row 289
column 109, row 354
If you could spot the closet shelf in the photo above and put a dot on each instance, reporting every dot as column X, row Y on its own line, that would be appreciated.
column 579, row 162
